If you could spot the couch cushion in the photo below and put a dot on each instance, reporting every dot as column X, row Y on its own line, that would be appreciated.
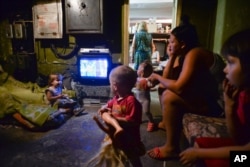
column 203, row 126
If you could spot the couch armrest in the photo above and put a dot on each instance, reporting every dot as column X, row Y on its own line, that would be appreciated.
column 202, row 126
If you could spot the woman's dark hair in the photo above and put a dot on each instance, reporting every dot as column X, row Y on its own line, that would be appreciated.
column 184, row 20
column 186, row 33
column 238, row 45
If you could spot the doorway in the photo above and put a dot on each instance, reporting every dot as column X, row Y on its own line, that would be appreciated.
column 157, row 13
column 162, row 12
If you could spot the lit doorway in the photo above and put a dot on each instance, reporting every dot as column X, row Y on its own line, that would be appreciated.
column 157, row 13
column 163, row 12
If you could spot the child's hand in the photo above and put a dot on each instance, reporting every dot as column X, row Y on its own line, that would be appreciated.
column 61, row 96
column 103, row 109
column 230, row 94
column 188, row 157
column 66, row 96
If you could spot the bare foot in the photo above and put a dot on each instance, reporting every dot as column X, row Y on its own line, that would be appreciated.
column 117, row 133
column 95, row 118
column 100, row 125
column 161, row 126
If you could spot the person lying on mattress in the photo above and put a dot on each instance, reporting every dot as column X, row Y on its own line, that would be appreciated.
column 33, row 116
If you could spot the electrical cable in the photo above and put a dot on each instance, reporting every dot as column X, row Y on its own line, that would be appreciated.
column 65, row 56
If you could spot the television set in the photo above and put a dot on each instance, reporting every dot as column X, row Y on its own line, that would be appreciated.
column 94, row 68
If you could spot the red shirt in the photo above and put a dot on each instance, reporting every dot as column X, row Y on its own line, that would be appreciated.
column 129, row 108
column 243, row 113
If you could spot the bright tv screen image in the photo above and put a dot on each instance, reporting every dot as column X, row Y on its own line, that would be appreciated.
column 94, row 67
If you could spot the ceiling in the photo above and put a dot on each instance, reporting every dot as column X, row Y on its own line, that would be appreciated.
column 151, row 9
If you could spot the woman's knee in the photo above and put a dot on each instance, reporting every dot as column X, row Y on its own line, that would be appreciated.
column 169, row 97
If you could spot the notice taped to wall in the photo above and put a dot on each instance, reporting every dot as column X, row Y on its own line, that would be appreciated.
column 47, row 18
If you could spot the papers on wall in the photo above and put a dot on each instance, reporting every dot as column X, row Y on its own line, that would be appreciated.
column 47, row 19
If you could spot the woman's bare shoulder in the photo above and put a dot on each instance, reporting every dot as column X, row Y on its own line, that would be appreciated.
column 199, row 50
column 201, row 54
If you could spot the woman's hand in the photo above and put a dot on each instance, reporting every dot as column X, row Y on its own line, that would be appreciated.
column 169, row 52
column 188, row 157
column 153, row 78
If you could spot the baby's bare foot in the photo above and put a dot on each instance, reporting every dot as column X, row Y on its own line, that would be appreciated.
column 117, row 133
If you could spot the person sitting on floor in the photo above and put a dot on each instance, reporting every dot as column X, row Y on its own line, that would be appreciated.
column 156, row 58
column 18, row 100
column 55, row 97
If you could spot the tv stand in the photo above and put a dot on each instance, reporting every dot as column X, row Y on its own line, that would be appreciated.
column 93, row 93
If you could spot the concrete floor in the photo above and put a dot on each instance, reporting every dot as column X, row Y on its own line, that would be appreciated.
column 71, row 145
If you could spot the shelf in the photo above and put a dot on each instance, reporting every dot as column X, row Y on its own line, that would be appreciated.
column 154, row 35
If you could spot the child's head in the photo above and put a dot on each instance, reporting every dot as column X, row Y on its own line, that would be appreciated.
column 122, row 79
column 54, row 80
column 145, row 69
column 236, row 50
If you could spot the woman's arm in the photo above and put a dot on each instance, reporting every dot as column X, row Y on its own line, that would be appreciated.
column 152, row 45
column 132, row 49
column 193, row 61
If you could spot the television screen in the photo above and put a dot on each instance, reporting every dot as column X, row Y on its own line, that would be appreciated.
column 93, row 69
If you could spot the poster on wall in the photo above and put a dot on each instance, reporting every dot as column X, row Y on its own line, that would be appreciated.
column 47, row 20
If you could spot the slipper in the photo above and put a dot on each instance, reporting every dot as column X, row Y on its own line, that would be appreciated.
column 155, row 153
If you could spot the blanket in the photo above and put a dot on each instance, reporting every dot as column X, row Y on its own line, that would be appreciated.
column 35, row 113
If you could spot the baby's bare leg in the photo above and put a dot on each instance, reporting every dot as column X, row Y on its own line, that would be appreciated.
column 112, row 121
column 100, row 125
